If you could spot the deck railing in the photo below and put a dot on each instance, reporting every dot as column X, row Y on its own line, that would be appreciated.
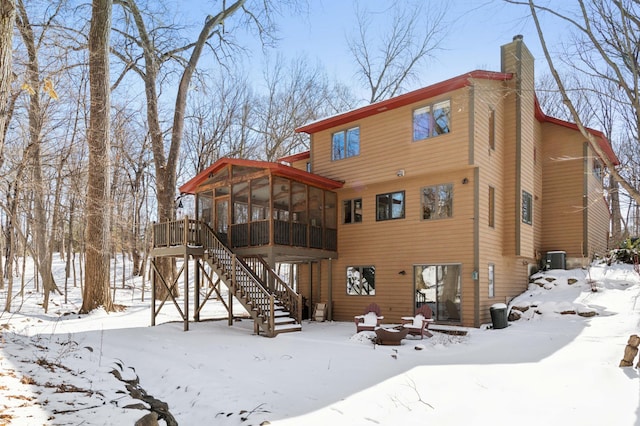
column 177, row 232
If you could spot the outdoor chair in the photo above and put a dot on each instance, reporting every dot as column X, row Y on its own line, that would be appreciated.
column 370, row 319
column 418, row 325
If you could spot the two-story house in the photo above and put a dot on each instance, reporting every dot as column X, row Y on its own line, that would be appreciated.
column 449, row 195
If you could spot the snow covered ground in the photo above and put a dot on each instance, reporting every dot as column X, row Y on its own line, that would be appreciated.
column 62, row 368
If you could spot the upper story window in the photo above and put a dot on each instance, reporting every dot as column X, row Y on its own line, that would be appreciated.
column 352, row 211
column 437, row 201
column 390, row 206
column 345, row 143
column 431, row 120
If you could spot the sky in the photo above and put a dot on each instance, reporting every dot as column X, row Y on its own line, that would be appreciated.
column 61, row 368
column 475, row 31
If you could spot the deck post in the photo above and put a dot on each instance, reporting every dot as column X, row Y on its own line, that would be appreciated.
column 185, row 232
column 153, row 291
column 186, row 290
column 232, row 287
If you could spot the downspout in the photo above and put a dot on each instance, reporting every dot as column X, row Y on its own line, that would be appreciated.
column 476, row 247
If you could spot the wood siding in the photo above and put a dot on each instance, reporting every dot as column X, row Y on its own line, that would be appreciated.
column 562, row 184
column 597, row 210
column 543, row 159
column 386, row 146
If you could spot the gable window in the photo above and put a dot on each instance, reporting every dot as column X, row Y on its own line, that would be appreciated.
column 437, row 201
column 492, row 207
column 527, row 208
column 345, row 143
column 352, row 211
column 361, row 280
column 390, row 206
column 431, row 120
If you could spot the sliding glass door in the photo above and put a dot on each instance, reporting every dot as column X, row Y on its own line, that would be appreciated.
column 439, row 287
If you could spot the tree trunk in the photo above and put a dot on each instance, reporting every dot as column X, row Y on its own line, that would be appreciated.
column 7, row 20
column 96, row 287
column 616, row 216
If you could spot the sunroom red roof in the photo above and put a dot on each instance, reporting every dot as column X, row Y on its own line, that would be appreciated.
column 276, row 169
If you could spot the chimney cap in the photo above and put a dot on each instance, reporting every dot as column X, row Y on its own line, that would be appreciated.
column 517, row 37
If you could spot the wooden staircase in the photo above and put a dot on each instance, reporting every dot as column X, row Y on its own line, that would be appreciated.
column 272, row 304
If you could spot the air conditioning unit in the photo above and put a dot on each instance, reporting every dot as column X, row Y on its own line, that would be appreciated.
column 556, row 260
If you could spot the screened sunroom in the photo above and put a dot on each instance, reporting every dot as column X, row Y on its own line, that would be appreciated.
column 266, row 208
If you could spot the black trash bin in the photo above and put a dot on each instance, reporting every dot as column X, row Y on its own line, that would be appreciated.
column 499, row 315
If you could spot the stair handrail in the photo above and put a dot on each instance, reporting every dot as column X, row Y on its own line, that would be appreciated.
column 291, row 300
column 244, row 279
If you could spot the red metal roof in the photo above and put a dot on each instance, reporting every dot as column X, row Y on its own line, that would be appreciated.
column 439, row 89
column 602, row 140
column 403, row 100
column 274, row 168
column 295, row 157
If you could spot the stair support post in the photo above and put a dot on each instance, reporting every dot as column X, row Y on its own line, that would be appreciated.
column 153, row 292
column 196, row 291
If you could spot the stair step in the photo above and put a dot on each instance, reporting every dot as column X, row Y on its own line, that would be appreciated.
column 287, row 328
column 284, row 320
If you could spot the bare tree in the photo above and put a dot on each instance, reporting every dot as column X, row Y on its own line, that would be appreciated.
column 33, row 152
column 7, row 20
column 295, row 95
column 385, row 65
column 212, row 128
column 148, row 64
column 606, row 47
column 96, row 287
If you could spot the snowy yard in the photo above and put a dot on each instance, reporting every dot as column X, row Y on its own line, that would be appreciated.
column 545, row 369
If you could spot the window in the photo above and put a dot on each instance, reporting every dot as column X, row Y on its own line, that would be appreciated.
column 361, row 280
column 492, row 128
column 437, row 201
column 491, row 280
column 345, row 143
column 390, row 206
column 597, row 169
column 527, row 208
column 352, row 211
column 492, row 207
column 431, row 120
